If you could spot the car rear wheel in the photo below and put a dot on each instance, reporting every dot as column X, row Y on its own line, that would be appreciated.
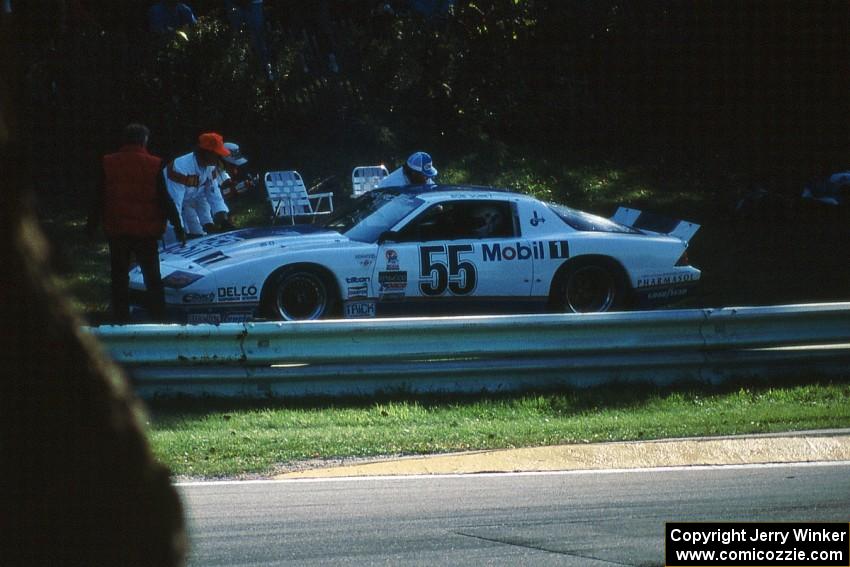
column 589, row 287
column 299, row 294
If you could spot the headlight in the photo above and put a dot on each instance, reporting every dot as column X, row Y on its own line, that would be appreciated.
column 180, row 279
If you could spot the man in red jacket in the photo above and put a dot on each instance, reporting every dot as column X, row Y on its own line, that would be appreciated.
column 133, row 205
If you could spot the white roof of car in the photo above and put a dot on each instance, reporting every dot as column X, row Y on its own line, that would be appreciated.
column 433, row 193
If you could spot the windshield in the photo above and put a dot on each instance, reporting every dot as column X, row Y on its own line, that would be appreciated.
column 371, row 214
column 586, row 222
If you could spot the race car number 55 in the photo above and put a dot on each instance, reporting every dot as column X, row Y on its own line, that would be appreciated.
column 441, row 268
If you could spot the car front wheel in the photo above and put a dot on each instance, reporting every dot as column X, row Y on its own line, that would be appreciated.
column 299, row 294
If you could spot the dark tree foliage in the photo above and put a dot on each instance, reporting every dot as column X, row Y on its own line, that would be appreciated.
column 756, row 87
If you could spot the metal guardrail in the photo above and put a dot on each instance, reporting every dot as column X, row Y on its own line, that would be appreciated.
column 473, row 354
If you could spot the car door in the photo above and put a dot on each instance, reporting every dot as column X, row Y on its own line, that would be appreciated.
column 548, row 236
column 457, row 256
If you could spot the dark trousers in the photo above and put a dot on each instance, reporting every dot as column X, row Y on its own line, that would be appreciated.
column 121, row 249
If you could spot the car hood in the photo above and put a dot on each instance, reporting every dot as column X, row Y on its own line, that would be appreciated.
column 232, row 246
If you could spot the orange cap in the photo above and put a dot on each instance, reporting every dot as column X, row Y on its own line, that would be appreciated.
column 213, row 142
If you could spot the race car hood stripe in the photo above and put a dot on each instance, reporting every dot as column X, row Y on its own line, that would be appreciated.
column 219, row 247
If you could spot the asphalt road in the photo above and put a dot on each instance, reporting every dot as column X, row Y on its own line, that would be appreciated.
column 589, row 518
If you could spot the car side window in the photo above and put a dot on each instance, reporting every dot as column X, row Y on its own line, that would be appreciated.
column 453, row 220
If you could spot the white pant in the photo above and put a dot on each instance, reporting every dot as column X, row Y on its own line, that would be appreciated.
column 196, row 213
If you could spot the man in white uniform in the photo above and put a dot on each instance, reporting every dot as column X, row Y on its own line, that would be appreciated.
column 418, row 170
column 191, row 180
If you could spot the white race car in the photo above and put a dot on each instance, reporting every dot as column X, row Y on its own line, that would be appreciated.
column 430, row 250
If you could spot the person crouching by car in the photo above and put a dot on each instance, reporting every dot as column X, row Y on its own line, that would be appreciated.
column 191, row 180
column 417, row 170
column 224, row 186
column 229, row 181
column 133, row 205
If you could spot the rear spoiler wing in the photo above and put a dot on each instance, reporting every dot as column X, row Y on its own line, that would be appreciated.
column 655, row 224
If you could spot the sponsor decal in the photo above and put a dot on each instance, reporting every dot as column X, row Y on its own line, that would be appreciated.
column 392, row 283
column 365, row 260
column 536, row 249
column 359, row 309
column 392, row 277
column 200, row 318
column 667, row 293
column 358, row 291
column 238, row 317
column 357, row 287
column 392, row 295
column 535, row 220
column 665, row 279
column 199, row 297
column 237, row 293
column 392, row 259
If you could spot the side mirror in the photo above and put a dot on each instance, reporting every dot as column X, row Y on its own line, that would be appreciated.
column 388, row 236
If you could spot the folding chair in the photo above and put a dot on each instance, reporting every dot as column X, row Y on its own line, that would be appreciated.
column 364, row 178
column 288, row 197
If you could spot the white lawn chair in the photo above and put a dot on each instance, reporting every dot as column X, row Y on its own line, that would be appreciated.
column 288, row 197
column 364, row 178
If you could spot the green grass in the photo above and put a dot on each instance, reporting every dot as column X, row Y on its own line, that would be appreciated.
column 212, row 439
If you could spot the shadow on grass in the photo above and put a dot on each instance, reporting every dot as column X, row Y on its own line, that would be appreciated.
column 562, row 402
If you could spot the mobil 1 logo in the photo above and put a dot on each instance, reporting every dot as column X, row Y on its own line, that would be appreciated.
column 536, row 249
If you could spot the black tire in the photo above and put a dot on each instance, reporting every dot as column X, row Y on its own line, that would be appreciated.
column 591, row 286
column 299, row 294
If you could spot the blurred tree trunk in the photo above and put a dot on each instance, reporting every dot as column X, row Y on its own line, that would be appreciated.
column 80, row 484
